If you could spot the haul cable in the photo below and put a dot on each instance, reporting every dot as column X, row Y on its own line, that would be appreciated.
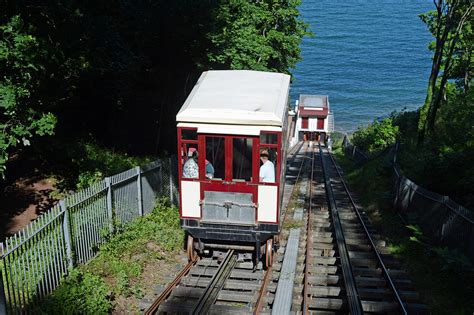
column 216, row 284
column 154, row 307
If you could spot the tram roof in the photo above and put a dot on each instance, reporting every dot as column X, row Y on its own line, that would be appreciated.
column 238, row 97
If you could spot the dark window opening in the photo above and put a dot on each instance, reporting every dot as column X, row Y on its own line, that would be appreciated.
column 215, row 157
column 242, row 159
column 188, row 134
column 268, row 138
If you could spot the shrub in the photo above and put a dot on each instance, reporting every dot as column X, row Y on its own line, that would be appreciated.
column 79, row 293
column 123, row 257
column 377, row 136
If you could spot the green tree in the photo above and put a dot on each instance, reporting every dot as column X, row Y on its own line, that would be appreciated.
column 256, row 35
column 22, row 115
column 451, row 26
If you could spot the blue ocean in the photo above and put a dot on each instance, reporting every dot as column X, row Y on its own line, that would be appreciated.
column 369, row 56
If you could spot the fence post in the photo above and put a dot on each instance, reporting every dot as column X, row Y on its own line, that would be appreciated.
column 67, row 234
column 353, row 150
column 109, row 204
column 3, row 298
column 139, row 190
column 171, row 181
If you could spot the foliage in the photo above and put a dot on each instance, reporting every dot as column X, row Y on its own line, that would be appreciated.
column 79, row 293
column 451, row 25
column 94, row 162
column 377, row 136
column 123, row 257
column 256, row 35
column 22, row 114
column 119, row 71
column 84, row 162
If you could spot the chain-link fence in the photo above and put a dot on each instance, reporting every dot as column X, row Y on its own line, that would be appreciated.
column 33, row 261
column 441, row 219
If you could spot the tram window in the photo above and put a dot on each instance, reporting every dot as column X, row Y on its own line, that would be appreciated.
column 215, row 157
column 188, row 134
column 272, row 157
column 268, row 138
column 242, row 159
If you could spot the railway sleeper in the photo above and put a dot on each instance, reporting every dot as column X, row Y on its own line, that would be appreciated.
column 315, row 269
column 218, row 309
column 323, row 249
column 406, row 296
column 379, row 306
column 322, row 260
column 371, row 272
column 380, row 282
column 355, row 241
column 323, row 279
column 236, row 296
column 324, row 291
column 326, row 304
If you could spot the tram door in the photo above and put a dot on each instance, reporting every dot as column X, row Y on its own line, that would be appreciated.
column 228, row 195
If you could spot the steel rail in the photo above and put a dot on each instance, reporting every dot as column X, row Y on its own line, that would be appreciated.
column 308, row 239
column 160, row 299
column 372, row 244
column 216, row 284
column 261, row 293
column 296, row 181
column 353, row 298
column 268, row 273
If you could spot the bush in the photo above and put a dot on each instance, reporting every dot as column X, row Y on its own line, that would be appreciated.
column 377, row 136
column 79, row 293
column 124, row 256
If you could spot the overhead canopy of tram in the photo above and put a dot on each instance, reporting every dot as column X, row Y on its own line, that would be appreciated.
column 237, row 97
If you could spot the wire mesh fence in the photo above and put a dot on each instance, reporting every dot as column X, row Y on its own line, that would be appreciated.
column 441, row 219
column 33, row 261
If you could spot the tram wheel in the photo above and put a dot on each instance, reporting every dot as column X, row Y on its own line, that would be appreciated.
column 269, row 253
column 191, row 252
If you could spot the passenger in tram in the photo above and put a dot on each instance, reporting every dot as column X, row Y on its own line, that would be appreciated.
column 267, row 170
column 209, row 170
column 190, row 168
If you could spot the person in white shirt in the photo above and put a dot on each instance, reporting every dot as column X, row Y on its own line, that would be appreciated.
column 267, row 170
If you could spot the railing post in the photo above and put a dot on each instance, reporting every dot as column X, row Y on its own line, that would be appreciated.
column 3, row 298
column 109, row 204
column 67, row 234
column 171, row 181
column 139, row 190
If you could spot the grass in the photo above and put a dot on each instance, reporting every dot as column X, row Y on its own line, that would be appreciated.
column 130, row 263
column 444, row 279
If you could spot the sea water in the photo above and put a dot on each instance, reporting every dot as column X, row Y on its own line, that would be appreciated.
column 369, row 56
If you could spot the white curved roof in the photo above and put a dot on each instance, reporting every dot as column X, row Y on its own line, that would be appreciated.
column 238, row 97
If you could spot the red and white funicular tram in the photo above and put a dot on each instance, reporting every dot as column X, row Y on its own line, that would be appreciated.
column 232, row 139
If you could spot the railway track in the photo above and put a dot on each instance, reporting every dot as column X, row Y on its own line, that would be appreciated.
column 337, row 263
column 347, row 267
